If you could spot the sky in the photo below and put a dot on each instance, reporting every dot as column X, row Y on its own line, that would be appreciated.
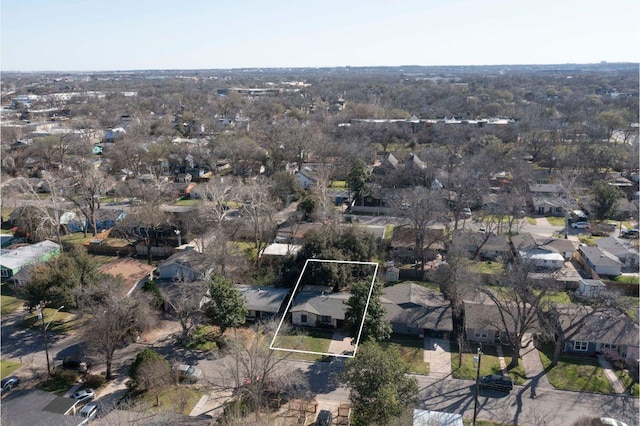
column 106, row 35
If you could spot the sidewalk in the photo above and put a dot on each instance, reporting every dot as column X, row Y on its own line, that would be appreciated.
column 608, row 371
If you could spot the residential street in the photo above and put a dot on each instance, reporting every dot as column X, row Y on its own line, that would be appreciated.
column 539, row 405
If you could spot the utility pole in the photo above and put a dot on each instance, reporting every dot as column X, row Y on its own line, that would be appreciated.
column 477, row 359
column 44, row 331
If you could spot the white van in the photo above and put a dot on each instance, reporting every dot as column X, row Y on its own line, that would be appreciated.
column 90, row 410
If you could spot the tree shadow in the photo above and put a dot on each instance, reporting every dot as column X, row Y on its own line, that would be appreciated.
column 323, row 376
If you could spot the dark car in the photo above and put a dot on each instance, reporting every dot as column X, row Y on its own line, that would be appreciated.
column 496, row 382
column 75, row 363
column 325, row 418
column 9, row 383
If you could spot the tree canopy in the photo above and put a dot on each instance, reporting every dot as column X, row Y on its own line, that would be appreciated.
column 225, row 307
column 380, row 388
column 376, row 326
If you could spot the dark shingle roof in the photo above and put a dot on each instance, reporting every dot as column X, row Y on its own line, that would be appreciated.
column 417, row 307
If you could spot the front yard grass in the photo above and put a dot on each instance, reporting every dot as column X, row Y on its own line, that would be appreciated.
column 531, row 220
column 59, row 382
column 631, row 386
column 10, row 304
column 312, row 340
column 76, row 238
column 63, row 322
column 8, row 367
column 175, row 398
column 578, row 374
column 556, row 221
column 411, row 352
column 489, row 364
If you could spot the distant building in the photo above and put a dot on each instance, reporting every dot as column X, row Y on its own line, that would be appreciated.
column 12, row 261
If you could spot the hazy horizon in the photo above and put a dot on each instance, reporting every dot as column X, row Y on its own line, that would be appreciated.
column 100, row 35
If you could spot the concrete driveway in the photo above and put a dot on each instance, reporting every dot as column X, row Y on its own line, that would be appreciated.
column 340, row 343
column 437, row 352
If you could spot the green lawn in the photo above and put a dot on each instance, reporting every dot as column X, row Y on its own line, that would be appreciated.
column 312, row 340
column 587, row 239
column 338, row 184
column 556, row 221
column 63, row 322
column 176, row 398
column 630, row 385
column 559, row 297
column 576, row 373
column 411, row 351
column 8, row 367
column 531, row 220
column 489, row 364
column 627, row 279
column 76, row 238
column 9, row 304
column 187, row 202
column 486, row 267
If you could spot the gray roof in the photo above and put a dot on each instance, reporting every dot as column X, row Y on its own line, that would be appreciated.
column 417, row 307
column 616, row 247
column 33, row 407
column 321, row 303
column 264, row 299
column 485, row 316
column 523, row 241
column 559, row 245
column 469, row 240
column 610, row 327
column 598, row 257
column 191, row 259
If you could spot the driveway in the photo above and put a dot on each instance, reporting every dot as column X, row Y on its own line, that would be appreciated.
column 437, row 353
column 340, row 343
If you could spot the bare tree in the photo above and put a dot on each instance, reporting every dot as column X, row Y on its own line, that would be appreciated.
column 115, row 322
column 520, row 300
column 85, row 192
column 563, row 323
column 256, row 371
column 185, row 299
column 258, row 208
column 46, row 210
column 422, row 208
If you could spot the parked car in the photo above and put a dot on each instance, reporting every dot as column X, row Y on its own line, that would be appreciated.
column 325, row 418
column 466, row 212
column 496, row 382
column 630, row 233
column 9, row 383
column 189, row 373
column 580, row 225
column 90, row 410
column 84, row 394
column 75, row 363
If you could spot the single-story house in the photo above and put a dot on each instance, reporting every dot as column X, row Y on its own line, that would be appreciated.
column 29, row 407
column 262, row 302
column 306, row 179
column 185, row 265
column 589, row 288
column 488, row 246
column 483, row 323
column 625, row 253
column 600, row 261
column 546, row 199
column 524, row 241
column 414, row 309
column 608, row 331
column 313, row 307
column 565, row 247
column 12, row 261
column 179, row 190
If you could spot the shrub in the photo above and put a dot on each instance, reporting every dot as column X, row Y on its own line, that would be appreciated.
column 94, row 381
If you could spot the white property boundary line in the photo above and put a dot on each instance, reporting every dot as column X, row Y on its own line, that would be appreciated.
column 364, row 315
